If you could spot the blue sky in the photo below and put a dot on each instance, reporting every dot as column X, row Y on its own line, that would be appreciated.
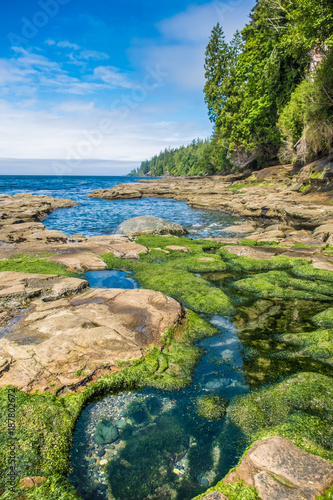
column 94, row 80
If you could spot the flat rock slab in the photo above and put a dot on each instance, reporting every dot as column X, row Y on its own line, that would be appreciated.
column 80, row 261
column 280, row 470
column 17, row 288
column 148, row 224
column 67, row 342
column 19, row 216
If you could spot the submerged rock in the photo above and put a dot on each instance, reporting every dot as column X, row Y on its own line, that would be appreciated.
column 106, row 432
column 147, row 224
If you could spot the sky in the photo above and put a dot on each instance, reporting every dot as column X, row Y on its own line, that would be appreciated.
column 103, row 83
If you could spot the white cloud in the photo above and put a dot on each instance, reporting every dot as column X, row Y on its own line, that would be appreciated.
column 68, row 45
column 59, row 131
column 34, row 73
column 184, row 37
column 113, row 76
column 93, row 54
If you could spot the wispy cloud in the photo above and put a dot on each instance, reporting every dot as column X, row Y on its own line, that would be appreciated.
column 33, row 73
column 180, row 50
column 113, row 76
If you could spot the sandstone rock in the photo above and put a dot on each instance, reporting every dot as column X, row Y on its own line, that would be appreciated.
column 148, row 224
column 27, row 207
column 280, row 470
column 274, row 202
column 241, row 228
column 80, row 261
column 215, row 495
column 17, row 288
column 68, row 342
column 31, row 482
column 179, row 248
column 254, row 252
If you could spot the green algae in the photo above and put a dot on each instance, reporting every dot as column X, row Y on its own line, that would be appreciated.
column 194, row 292
column 25, row 264
column 317, row 345
column 56, row 487
column 243, row 263
column 278, row 284
column 153, row 241
column 299, row 409
column 305, row 270
column 324, row 319
column 211, row 407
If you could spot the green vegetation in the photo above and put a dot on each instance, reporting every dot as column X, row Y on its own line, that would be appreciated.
column 56, row 487
column 278, row 284
column 269, row 93
column 317, row 345
column 324, row 319
column 173, row 275
column 211, row 407
column 25, row 264
column 45, row 423
column 299, row 409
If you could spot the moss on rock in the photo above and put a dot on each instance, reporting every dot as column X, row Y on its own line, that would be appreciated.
column 211, row 407
column 324, row 319
column 299, row 409
column 278, row 284
column 25, row 264
column 194, row 292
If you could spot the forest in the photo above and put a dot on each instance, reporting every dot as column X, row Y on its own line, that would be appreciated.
column 269, row 93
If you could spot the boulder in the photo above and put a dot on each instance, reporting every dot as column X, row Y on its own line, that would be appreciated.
column 279, row 470
column 70, row 341
column 106, row 432
column 147, row 224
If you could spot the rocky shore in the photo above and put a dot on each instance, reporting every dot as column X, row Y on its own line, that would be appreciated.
column 73, row 344
column 298, row 197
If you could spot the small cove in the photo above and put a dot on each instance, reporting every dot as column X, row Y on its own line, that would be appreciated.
column 163, row 449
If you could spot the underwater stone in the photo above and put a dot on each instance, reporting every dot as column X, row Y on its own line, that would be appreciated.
column 106, row 432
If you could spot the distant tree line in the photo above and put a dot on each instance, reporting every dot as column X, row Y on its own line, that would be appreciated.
column 269, row 93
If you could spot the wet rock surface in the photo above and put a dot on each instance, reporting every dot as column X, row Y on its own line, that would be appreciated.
column 280, row 470
column 18, row 289
column 69, row 341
